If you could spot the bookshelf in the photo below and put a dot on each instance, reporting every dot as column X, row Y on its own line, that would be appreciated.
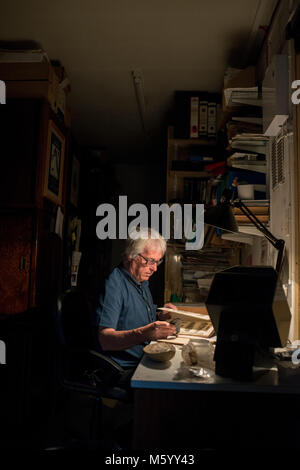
column 247, row 147
column 181, row 285
column 176, row 177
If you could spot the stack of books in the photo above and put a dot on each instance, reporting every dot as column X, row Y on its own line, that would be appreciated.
column 199, row 268
column 248, row 161
column 260, row 208
column 194, row 157
column 22, row 51
column 247, row 147
column 243, row 124
column 196, row 190
column 234, row 97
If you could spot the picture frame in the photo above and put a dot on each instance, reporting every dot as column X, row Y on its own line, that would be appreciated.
column 54, row 169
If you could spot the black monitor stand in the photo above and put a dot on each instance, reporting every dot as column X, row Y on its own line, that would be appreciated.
column 240, row 305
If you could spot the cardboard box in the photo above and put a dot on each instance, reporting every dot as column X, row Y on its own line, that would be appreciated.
column 64, row 88
column 243, row 78
column 31, row 80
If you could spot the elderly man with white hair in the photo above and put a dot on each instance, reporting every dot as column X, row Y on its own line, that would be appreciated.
column 126, row 315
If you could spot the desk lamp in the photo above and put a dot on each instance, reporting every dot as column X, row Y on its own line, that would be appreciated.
column 221, row 216
column 241, row 301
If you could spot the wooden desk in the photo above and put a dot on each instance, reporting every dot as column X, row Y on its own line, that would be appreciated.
column 171, row 404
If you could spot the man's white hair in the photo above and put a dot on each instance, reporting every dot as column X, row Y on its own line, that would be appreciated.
column 146, row 237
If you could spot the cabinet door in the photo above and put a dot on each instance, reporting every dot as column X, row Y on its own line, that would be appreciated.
column 19, row 131
column 15, row 259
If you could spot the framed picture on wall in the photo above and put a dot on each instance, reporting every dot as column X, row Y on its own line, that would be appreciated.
column 54, row 164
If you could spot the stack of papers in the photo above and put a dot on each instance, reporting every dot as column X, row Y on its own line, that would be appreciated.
column 192, row 324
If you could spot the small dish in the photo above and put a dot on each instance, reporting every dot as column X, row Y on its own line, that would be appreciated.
column 160, row 352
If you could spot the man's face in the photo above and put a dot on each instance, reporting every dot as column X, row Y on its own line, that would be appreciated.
column 140, row 268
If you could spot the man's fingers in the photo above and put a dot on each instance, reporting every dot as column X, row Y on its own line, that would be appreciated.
column 162, row 324
column 169, row 305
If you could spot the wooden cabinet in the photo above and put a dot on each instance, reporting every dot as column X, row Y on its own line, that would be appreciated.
column 26, row 150
column 30, row 250
column 16, row 234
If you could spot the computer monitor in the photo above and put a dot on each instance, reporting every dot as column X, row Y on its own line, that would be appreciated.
column 248, row 315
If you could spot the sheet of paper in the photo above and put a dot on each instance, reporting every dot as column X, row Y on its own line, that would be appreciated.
column 59, row 222
column 185, row 313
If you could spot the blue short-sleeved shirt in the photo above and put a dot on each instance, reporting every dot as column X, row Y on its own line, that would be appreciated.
column 125, row 304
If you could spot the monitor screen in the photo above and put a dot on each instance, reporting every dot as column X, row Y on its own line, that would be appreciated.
column 241, row 305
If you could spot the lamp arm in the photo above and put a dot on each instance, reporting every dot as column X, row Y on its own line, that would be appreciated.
column 258, row 224
column 276, row 242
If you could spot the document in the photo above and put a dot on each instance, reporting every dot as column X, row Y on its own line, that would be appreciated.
column 184, row 313
column 192, row 324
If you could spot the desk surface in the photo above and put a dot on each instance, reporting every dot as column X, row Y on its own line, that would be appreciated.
column 175, row 375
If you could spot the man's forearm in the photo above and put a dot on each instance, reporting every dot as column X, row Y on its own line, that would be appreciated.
column 112, row 340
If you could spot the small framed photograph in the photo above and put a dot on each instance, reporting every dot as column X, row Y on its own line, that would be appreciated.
column 54, row 164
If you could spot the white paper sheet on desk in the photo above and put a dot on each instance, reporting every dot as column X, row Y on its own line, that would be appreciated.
column 175, row 340
column 180, row 340
column 185, row 313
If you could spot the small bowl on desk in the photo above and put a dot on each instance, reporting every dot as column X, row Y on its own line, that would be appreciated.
column 160, row 352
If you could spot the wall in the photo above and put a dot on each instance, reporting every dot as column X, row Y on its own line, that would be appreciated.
column 282, row 197
column 142, row 183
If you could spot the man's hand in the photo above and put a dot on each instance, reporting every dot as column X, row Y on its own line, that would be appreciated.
column 159, row 330
column 162, row 315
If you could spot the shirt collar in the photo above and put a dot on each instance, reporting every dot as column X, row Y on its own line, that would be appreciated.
column 139, row 284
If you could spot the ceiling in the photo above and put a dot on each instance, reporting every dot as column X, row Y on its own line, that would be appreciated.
column 175, row 44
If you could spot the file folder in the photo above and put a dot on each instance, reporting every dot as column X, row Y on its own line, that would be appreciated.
column 203, row 108
column 194, row 113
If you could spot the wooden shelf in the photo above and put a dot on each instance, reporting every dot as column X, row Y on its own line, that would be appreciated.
column 175, row 190
column 200, row 141
column 185, row 142
column 190, row 173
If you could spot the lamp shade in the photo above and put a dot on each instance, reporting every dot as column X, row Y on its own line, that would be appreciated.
column 221, row 216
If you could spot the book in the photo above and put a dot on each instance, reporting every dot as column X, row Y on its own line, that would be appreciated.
column 238, row 238
column 257, row 210
column 249, row 146
column 194, row 125
column 211, row 119
column 237, row 96
column 248, row 119
column 256, row 202
column 251, row 166
column 235, row 128
column 248, row 157
column 8, row 55
column 203, row 108
column 243, row 219
column 192, row 324
column 194, row 190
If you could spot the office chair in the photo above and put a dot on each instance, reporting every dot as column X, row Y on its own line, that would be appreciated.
column 78, row 368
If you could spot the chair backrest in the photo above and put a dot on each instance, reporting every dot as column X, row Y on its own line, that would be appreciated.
column 74, row 356
column 73, row 320
column 71, row 317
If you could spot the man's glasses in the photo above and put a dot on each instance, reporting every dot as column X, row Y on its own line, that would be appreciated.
column 150, row 261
